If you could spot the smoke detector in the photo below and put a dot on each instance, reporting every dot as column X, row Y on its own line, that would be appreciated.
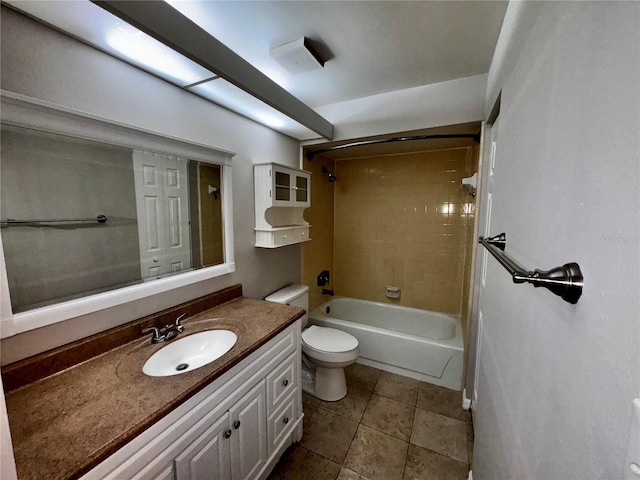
column 297, row 56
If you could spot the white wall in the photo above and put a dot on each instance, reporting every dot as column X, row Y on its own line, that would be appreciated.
column 42, row 63
column 557, row 380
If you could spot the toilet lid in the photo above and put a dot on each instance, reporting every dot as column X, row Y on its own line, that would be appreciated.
column 329, row 339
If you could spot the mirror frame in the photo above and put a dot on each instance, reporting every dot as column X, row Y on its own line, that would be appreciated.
column 23, row 111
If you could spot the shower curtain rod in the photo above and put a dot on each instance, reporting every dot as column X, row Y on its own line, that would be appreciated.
column 474, row 136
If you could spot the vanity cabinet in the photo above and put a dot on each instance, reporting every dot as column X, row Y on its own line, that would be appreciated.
column 236, row 428
column 281, row 195
column 233, row 447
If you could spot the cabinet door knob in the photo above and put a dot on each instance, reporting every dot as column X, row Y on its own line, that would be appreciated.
column 236, row 424
column 285, row 420
column 285, row 382
column 227, row 434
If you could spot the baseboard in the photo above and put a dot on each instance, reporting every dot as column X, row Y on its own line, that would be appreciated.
column 466, row 402
column 470, row 477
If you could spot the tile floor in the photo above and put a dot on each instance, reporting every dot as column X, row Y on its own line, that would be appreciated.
column 388, row 427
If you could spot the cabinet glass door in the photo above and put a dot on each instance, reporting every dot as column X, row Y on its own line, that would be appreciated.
column 282, row 186
column 302, row 189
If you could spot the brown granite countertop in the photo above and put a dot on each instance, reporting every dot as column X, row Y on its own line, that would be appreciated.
column 65, row 424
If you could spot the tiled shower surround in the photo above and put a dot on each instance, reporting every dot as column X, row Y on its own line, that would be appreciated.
column 403, row 220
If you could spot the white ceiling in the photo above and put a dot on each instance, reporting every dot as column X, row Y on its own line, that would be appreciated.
column 370, row 47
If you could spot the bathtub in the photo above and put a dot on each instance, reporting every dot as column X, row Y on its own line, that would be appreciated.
column 416, row 343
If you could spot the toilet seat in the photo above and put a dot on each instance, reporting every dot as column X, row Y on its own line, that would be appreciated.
column 329, row 345
column 329, row 340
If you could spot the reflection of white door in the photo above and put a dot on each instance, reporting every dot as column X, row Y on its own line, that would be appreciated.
column 162, row 202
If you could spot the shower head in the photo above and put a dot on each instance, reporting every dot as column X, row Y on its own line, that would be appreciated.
column 332, row 177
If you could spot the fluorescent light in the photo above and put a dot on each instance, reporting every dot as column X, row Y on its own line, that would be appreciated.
column 105, row 31
column 94, row 25
column 228, row 95
column 153, row 56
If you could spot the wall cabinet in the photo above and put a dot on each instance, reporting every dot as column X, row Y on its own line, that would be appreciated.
column 281, row 195
column 234, row 429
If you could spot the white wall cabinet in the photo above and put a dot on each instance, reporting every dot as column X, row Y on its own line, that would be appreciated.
column 281, row 196
column 234, row 429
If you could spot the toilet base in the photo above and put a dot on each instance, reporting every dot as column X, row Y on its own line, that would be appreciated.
column 331, row 384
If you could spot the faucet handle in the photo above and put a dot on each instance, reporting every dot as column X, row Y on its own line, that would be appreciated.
column 156, row 338
column 177, row 323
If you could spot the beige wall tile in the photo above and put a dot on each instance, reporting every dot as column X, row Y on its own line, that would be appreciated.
column 397, row 220
column 317, row 255
column 406, row 211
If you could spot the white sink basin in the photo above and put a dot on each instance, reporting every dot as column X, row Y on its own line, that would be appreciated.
column 189, row 353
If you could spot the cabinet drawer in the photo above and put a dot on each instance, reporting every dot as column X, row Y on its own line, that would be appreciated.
column 281, row 423
column 302, row 234
column 284, row 237
column 281, row 382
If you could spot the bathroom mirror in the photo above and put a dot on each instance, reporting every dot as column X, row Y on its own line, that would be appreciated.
column 94, row 214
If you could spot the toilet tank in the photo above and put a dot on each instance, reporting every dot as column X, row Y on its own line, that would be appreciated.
column 296, row 295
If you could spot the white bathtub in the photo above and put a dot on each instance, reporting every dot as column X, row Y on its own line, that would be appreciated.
column 416, row 343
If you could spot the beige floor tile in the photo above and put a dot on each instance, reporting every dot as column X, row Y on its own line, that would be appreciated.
column 470, row 434
column 442, row 400
column 309, row 403
column 309, row 406
column 361, row 377
column 346, row 474
column 376, row 455
column 441, row 434
column 352, row 406
column 389, row 416
column 298, row 463
column 423, row 464
column 397, row 387
column 329, row 435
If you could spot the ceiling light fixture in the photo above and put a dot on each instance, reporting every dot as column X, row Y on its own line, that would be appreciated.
column 297, row 57
column 167, row 25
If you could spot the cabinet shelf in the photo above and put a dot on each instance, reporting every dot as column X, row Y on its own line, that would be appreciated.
column 281, row 196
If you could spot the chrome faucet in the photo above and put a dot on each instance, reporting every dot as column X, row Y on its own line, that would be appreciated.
column 168, row 332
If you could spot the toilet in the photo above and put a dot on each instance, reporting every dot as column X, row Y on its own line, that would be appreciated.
column 325, row 351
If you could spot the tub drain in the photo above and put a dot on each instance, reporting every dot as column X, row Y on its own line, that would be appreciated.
column 182, row 366
column 328, row 309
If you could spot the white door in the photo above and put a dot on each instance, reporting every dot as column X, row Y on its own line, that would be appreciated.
column 248, row 420
column 208, row 457
column 162, row 201
column 484, row 229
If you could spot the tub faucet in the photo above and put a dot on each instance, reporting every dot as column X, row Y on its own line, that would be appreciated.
column 326, row 291
column 168, row 332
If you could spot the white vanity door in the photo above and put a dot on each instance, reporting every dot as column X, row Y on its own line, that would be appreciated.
column 248, row 419
column 208, row 456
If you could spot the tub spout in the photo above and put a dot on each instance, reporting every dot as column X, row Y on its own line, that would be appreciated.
column 326, row 291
